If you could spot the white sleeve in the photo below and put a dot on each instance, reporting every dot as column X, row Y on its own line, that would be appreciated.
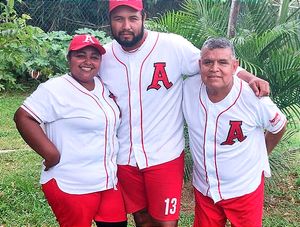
column 41, row 105
column 239, row 69
column 190, row 55
column 273, row 120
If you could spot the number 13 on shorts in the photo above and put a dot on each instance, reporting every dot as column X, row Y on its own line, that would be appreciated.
column 171, row 206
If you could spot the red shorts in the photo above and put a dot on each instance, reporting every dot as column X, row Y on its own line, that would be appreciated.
column 157, row 188
column 243, row 211
column 80, row 210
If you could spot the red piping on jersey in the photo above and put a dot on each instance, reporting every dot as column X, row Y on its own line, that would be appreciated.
column 141, row 105
column 215, row 143
column 32, row 113
column 105, row 147
column 204, row 139
column 281, row 126
column 215, row 136
column 129, row 102
column 115, row 117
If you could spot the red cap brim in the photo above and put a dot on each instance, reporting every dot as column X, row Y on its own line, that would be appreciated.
column 80, row 41
column 98, row 47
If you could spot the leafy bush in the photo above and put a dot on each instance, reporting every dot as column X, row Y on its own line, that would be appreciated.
column 28, row 52
column 15, row 38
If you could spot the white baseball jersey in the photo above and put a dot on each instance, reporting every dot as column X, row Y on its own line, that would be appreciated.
column 147, row 84
column 227, row 138
column 82, row 125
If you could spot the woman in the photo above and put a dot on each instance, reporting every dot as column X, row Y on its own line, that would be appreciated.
column 78, row 143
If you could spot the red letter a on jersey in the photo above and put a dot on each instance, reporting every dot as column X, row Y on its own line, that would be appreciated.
column 159, row 74
column 235, row 133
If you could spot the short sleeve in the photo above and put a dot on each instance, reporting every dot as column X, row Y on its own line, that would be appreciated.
column 41, row 104
column 190, row 55
column 239, row 69
column 273, row 120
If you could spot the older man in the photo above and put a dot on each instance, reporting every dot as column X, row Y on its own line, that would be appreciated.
column 231, row 133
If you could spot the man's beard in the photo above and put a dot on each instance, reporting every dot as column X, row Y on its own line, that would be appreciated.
column 131, row 43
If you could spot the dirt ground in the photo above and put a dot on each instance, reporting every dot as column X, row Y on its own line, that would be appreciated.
column 187, row 200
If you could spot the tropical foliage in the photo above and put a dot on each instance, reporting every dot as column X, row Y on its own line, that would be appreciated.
column 265, row 47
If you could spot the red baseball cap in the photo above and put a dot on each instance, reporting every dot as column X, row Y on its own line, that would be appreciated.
column 84, row 40
column 136, row 4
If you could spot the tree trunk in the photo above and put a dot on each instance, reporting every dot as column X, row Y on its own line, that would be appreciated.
column 234, row 11
column 283, row 11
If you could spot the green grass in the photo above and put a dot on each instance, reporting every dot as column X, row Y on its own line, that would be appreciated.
column 282, row 200
column 9, row 137
column 21, row 200
column 22, row 203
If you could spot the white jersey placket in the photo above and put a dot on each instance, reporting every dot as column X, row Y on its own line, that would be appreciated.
column 111, row 119
column 136, row 87
column 210, row 148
